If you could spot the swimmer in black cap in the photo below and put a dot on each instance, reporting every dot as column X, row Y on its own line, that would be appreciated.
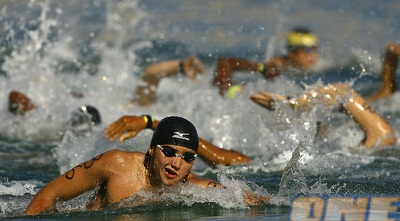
column 175, row 137
column 83, row 119
column 120, row 174
column 175, row 131
column 129, row 126
column 302, row 54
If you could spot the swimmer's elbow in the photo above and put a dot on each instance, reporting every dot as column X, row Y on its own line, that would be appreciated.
column 40, row 204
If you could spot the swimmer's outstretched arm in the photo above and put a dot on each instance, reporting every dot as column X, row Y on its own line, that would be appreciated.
column 76, row 181
column 191, row 66
column 224, row 70
column 267, row 100
column 227, row 65
column 389, row 81
column 377, row 130
column 214, row 155
column 129, row 126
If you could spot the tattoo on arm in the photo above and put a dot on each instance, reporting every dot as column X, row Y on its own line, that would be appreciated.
column 70, row 174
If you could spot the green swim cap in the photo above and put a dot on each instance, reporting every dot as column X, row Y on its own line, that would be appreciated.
column 301, row 38
column 233, row 91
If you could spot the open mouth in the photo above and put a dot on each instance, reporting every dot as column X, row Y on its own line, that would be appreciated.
column 170, row 173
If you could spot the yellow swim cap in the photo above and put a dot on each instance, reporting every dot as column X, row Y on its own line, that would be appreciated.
column 233, row 91
column 299, row 39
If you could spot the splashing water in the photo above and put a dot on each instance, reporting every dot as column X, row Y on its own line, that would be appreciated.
column 94, row 52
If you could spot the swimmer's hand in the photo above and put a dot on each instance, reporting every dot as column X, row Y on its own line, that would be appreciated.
column 192, row 66
column 125, row 127
column 252, row 199
column 266, row 99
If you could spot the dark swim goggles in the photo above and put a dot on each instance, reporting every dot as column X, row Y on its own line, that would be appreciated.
column 309, row 49
column 306, row 49
column 171, row 152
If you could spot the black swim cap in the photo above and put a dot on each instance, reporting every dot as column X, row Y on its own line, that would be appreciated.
column 83, row 119
column 92, row 114
column 176, row 131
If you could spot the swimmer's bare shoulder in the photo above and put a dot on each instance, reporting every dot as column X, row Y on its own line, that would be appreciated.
column 124, row 174
column 122, row 159
column 124, row 167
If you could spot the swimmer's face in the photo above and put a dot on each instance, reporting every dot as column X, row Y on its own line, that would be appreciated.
column 304, row 57
column 170, row 170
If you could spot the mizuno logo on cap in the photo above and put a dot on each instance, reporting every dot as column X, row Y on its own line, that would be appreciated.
column 179, row 135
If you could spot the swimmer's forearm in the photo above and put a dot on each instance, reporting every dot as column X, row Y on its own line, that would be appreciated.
column 216, row 156
column 41, row 203
column 394, row 49
column 165, row 68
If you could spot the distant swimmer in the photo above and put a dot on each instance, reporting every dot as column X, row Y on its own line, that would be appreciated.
column 118, row 175
column 82, row 119
column 378, row 131
column 302, row 54
column 146, row 94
